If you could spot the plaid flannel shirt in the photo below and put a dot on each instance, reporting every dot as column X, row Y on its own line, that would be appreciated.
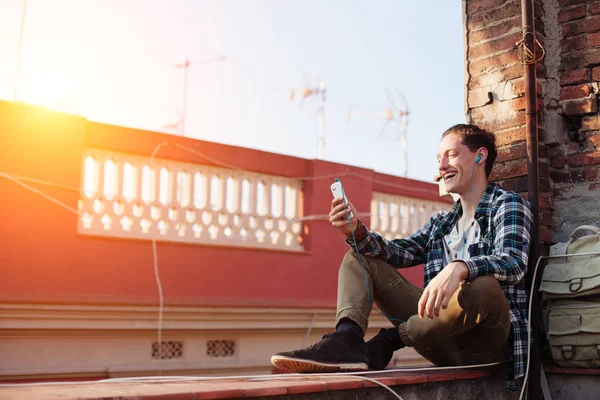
column 506, row 221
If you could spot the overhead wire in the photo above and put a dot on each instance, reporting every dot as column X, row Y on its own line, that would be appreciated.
column 157, row 279
column 44, row 182
column 39, row 192
column 307, row 178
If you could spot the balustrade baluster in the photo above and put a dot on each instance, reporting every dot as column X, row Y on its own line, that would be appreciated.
column 208, row 186
column 253, row 203
column 175, row 203
column 282, row 199
column 237, row 182
column 375, row 213
column 100, row 175
column 223, row 196
column 268, row 197
column 385, row 216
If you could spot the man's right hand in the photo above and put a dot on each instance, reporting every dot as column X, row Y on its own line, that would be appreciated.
column 338, row 216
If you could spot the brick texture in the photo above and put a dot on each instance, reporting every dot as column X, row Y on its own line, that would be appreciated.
column 594, row 8
column 593, row 40
column 514, row 151
column 568, row 3
column 494, row 46
column 579, row 59
column 590, row 123
column 578, row 160
column 513, row 168
column 575, row 92
column 572, row 13
column 580, row 106
column 576, row 175
column 495, row 31
column 517, row 184
column 584, row 26
column 573, row 43
column 575, row 76
column 513, row 71
column 483, row 19
column 477, row 6
column 494, row 63
column 511, row 136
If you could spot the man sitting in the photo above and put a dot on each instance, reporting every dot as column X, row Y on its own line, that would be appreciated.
column 473, row 308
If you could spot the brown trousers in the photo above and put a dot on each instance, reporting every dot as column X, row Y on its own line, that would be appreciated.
column 473, row 329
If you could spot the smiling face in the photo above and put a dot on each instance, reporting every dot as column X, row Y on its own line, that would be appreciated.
column 455, row 164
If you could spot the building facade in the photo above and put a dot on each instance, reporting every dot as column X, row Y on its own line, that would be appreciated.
column 129, row 252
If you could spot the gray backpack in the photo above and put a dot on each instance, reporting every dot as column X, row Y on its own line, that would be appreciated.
column 571, row 290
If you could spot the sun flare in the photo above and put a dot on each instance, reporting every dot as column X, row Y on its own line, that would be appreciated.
column 54, row 85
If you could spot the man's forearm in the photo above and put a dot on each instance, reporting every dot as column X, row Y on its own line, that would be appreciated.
column 400, row 253
column 504, row 267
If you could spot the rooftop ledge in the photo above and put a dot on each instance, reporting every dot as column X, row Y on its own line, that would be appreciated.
column 447, row 383
column 272, row 386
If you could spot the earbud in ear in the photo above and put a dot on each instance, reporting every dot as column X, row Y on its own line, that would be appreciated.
column 478, row 159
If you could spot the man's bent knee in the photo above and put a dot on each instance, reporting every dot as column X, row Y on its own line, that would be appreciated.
column 481, row 288
column 351, row 259
column 350, row 255
column 484, row 295
column 485, row 285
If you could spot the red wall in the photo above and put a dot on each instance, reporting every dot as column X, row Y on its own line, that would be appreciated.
column 43, row 259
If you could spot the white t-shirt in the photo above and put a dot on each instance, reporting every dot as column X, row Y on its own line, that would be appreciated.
column 456, row 242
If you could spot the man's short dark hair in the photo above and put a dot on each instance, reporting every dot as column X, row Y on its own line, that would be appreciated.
column 475, row 138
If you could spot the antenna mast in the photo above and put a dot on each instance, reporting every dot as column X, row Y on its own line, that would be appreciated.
column 321, row 92
column 180, row 125
column 396, row 112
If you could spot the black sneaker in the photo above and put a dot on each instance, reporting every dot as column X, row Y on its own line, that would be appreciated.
column 336, row 352
column 380, row 350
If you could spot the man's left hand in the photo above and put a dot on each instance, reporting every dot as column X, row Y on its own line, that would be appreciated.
column 441, row 288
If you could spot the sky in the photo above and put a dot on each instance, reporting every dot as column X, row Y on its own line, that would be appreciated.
column 114, row 61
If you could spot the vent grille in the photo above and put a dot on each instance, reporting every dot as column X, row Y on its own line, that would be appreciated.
column 220, row 348
column 167, row 350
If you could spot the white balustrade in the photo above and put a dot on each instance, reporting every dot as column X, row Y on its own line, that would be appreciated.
column 395, row 217
column 129, row 196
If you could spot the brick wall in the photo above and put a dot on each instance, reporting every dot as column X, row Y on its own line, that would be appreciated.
column 574, row 145
column 567, row 89
column 495, row 87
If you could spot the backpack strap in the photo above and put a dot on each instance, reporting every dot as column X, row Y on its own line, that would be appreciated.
column 583, row 228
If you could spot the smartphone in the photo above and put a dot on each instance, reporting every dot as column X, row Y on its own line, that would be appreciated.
column 338, row 192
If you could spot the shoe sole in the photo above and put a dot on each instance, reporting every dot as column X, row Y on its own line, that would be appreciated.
column 299, row 365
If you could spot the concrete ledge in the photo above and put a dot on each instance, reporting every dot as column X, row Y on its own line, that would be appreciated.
column 573, row 383
column 437, row 384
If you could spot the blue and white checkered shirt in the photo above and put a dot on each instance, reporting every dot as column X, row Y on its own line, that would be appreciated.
column 502, row 251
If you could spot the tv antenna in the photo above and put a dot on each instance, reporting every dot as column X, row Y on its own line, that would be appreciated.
column 319, row 91
column 395, row 118
column 180, row 124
